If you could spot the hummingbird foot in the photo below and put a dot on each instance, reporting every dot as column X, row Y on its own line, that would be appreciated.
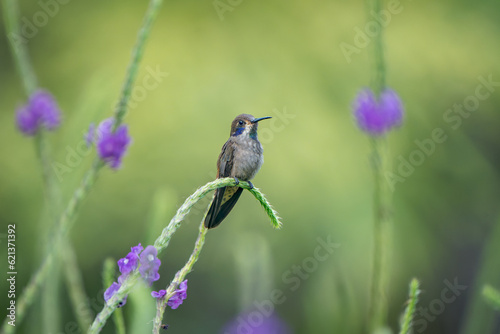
column 236, row 180
column 250, row 184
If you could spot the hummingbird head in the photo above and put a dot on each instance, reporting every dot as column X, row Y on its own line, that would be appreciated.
column 246, row 125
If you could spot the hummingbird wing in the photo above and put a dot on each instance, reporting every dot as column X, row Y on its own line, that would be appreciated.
column 224, row 198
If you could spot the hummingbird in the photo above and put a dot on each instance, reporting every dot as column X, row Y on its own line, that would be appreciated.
column 240, row 158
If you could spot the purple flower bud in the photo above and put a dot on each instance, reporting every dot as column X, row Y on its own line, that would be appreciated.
column 112, row 146
column 149, row 265
column 41, row 110
column 378, row 117
column 26, row 121
column 180, row 294
column 111, row 291
column 129, row 262
column 159, row 294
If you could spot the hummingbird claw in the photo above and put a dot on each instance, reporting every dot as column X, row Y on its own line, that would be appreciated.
column 236, row 180
column 250, row 184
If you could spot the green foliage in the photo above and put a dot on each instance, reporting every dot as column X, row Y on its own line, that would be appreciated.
column 410, row 308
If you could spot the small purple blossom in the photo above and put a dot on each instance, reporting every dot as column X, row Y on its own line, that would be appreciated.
column 180, row 294
column 376, row 117
column 26, row 121
column 150, row 265
column 41, row 110
column 111, row 291
column 112, row 146
column 247, row 323
column 129, row 262
column 159, row 294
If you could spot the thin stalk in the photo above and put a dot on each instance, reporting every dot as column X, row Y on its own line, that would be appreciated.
column 42, row 148
column 30, row 291
column 51, row 290
column 149, row 18
column 74, row 283
column 18, row 47
column 164, row 239
column 161, row 303
column 382, row 231
column 380, row 67
column 479, row 317
column 410, row 309
column 382, row 196
column 69, row 214
column 108, row 277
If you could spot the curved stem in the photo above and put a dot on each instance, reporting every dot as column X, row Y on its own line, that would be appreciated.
column 164, row 239
column 161, row 304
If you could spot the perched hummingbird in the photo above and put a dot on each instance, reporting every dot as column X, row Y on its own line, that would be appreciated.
column 241, row 158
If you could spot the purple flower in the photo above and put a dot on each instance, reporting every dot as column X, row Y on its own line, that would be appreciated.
column 150, row 264
column 112, row 146
column 159, row 294
column 89, row 137
column 376, row 117
column 111, row 291
column 41, row 110
column 257, row 323
column 137, row 249
column 26, row 121
column 129, row 262
column 180, row 294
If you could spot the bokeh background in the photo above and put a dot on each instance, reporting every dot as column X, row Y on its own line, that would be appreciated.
column 275, row 59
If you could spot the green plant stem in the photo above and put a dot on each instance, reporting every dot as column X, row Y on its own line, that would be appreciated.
column 410, row 309
column 18, row 47
column 42, row 148
column 163, row 240
column 51, row 288
column 492, row 296
column 479, row 317
column 29, row 293
column 108, row 277
column 382, row 232
column 382, row 195
column 380, row 67
column 75, row 287
column 67, row 217
column 161, row 303
column 149, row 18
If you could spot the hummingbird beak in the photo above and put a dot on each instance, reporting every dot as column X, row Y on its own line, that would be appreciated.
column 260, row 119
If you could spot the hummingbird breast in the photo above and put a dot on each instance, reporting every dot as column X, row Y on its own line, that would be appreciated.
column 248, row 158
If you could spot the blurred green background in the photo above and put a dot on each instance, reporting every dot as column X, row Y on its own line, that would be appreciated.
column 269, row 58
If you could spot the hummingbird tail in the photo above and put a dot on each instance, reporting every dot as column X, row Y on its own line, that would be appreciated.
column 223, row 202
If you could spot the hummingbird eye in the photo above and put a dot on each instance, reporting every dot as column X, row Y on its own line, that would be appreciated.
column 241, row 122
